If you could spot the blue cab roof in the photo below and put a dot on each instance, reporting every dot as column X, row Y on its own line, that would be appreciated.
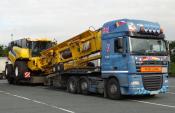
column 124, row 25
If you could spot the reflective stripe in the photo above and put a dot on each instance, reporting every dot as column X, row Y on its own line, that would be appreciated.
column 27, row 74
column 114, row 71
column 13, row 52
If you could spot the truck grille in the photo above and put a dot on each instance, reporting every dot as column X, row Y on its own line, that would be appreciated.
column 154, row 63
column 152, row 82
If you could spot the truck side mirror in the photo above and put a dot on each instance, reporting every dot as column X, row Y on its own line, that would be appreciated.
column 119, row 45
column 167, row 43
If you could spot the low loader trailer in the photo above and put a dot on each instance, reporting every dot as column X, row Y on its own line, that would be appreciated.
column 124, row 57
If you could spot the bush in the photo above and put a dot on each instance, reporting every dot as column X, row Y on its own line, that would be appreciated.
column 172, row 46
column 172, row 69
column 3, row 51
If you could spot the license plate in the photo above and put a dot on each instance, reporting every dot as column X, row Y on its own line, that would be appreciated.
column 154, row 92
column 151, row 69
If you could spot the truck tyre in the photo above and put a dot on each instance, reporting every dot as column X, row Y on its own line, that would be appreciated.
column 72, row 85
column 113, row 89
column 59, row 67
column 19, row 69
column 84, row 85
column 9, row 73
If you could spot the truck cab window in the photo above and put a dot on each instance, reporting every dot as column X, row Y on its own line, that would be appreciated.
column 118, row 45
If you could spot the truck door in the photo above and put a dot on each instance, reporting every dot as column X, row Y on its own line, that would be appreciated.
column 114, row 57
column 118, row 56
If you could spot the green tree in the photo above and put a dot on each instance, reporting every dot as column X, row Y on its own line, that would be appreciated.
column 172, row 46
column 3, row 50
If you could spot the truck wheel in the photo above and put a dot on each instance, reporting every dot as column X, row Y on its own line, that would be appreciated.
column 9, row 73
column 84, row 85
column 72, row 84
column 113, row 89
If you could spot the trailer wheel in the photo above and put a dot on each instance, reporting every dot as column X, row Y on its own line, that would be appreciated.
column 113, row 89
column 84, row 85
column 59, row 67
column 9, row 73
column 72, row 84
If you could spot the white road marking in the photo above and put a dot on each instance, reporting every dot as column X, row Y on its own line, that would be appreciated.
column 21, row 97
column 172, row 86
column 66, row 110
column 151, row 103
column 171, row 93
column 36, row 101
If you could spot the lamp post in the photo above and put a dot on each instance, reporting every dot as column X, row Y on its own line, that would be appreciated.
column 11, row 36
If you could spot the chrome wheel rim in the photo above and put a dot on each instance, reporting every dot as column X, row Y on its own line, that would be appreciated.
column 71, row 86
column 6, row 72
column 84, row 85
column 16, row 71
column 113, row 89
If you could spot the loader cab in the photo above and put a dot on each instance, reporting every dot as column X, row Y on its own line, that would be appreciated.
column 37, row 46
column 34, row 46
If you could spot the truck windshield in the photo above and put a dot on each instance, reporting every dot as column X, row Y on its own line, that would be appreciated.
column 142, row 46
column 38, row 46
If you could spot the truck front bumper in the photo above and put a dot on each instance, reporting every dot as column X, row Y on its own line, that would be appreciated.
column 142, row 91
column 136, row 86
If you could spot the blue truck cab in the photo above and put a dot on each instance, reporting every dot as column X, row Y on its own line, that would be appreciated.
column 134, row 58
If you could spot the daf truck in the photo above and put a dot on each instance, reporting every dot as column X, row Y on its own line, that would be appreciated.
column 124, row 57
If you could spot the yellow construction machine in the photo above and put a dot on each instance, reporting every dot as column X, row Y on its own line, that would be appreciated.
column 24, row 60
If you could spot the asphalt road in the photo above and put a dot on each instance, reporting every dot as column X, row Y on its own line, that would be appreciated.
column 40, row 99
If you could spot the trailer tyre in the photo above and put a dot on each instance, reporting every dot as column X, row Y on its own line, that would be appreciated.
column 72, row 85
column 84, row 85
column 113, row 89
column 59, row 67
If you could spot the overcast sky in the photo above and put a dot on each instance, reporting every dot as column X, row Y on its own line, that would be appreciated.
column 62, row 19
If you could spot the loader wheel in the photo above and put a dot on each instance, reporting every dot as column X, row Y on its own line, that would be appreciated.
column 113, row 89
column 19, row 70
column 84, row 85
column 72, row 85
column 9, row 73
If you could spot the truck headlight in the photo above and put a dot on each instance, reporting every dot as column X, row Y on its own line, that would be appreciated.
column 166, row 81
column 164, row 70
column 134, row 83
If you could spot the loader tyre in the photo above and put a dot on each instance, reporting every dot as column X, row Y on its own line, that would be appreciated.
column 72, row 85
column 19, row 69
column 113, row 89
column 9, row 73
